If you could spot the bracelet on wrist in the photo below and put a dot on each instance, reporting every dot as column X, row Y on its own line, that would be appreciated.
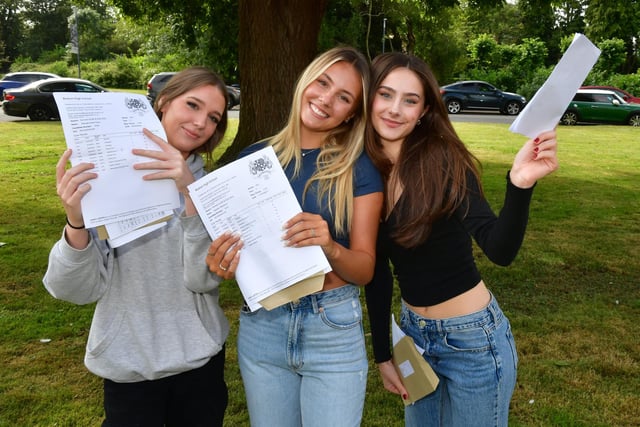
column 73, row 226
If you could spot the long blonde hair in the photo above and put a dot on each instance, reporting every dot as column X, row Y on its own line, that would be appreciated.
column 342, row 146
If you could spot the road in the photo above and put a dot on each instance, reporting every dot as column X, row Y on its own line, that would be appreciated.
column 484, row 117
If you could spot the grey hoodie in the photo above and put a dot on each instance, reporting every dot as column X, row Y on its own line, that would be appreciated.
column 157, row 311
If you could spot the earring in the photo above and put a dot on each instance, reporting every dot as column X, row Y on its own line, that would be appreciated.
column 418, row 124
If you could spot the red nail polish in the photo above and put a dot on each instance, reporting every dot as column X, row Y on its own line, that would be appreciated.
column 536, row 140
column 535, row 150
column 405, row 396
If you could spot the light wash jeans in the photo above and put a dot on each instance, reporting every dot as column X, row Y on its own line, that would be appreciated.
column 305, row 363
column 475, row 358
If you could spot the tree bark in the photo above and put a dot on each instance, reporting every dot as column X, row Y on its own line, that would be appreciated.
column 277, row 40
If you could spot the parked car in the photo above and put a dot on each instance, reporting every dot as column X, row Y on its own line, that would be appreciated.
column 21, row 78
column 158, row 81
column 479, row 95
column 36, row 99
column 600, row 106
column 622, row 93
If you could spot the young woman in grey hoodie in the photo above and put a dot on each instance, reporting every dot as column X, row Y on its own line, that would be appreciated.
column 158, row 332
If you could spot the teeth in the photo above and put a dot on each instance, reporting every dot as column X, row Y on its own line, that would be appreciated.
column 317, row 111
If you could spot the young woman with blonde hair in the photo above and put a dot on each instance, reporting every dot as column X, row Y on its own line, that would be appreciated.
column 305, row 363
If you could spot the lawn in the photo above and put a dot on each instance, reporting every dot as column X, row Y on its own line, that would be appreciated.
column 572, row 294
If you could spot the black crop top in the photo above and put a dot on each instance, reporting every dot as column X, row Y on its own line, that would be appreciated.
column 443, row 266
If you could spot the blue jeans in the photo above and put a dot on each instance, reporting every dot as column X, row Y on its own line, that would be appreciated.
column 305, row 363
column 475, row 358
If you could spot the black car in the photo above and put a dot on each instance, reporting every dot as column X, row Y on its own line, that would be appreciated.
column 158, row 81
column 479, row 95
column 36, row 99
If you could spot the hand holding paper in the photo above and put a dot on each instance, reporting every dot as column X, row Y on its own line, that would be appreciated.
column 103, row 129
column 253, row 198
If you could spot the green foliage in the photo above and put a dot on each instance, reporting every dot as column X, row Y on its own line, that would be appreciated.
column 628, row 82
column 61, row 68
column 612, row 56
column 55, row 54
column 45, row 27
column 532, row 53
column 342, row 24
column 93, row 29
column 483, row 52
column 122, row 73
column 536, row 79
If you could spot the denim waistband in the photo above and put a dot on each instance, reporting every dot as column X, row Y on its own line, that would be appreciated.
column 314, row 301
column 491, row 313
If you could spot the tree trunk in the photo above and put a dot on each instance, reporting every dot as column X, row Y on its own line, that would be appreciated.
column 277, row 39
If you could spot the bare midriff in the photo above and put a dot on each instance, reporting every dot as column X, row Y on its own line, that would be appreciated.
column 475, row 299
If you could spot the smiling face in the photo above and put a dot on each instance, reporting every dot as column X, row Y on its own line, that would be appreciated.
column 331, row 99
column 398, row 104
column 190, row 119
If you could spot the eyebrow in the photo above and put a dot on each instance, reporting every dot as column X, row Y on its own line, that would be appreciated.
column 390, row 89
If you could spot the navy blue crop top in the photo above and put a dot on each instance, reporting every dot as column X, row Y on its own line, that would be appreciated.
column 443, row 266
column 366, row 180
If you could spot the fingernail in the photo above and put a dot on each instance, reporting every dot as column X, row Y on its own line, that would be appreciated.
column 405, row 396
column 535, row 150
column 536, row 140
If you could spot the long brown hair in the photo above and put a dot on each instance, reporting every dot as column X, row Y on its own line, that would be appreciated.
column 186, row 80
column 434, row 164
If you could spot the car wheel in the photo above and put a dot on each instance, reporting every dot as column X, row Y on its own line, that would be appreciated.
column 454, row 106
column 634, row 120
column 513, row 108
column 569, row 118
column 39, row 113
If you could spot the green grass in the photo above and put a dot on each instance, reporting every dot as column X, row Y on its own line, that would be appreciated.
column 572, row 294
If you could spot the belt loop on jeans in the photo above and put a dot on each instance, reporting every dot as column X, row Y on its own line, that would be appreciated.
column 493, row 310
column 314, row 303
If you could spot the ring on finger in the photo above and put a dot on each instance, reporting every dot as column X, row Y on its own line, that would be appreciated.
column 222, row 267
column 313, row 232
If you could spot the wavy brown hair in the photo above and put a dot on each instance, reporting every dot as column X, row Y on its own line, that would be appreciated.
column 434, row 164
column 186, row 80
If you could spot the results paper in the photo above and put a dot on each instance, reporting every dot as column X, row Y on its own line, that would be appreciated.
column 548, row 104
column 103, row 128
column 252, row 197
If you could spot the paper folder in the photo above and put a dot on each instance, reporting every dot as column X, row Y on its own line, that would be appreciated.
column 296, row 291
column 416, row 374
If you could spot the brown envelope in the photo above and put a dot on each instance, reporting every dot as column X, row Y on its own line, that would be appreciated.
column 416, row 374
column 296, row 291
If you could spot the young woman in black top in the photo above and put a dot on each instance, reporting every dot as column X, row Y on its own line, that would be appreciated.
column 434, row 205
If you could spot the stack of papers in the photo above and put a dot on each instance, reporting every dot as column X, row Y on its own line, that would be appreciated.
column 103, row 128
column 252, row 197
